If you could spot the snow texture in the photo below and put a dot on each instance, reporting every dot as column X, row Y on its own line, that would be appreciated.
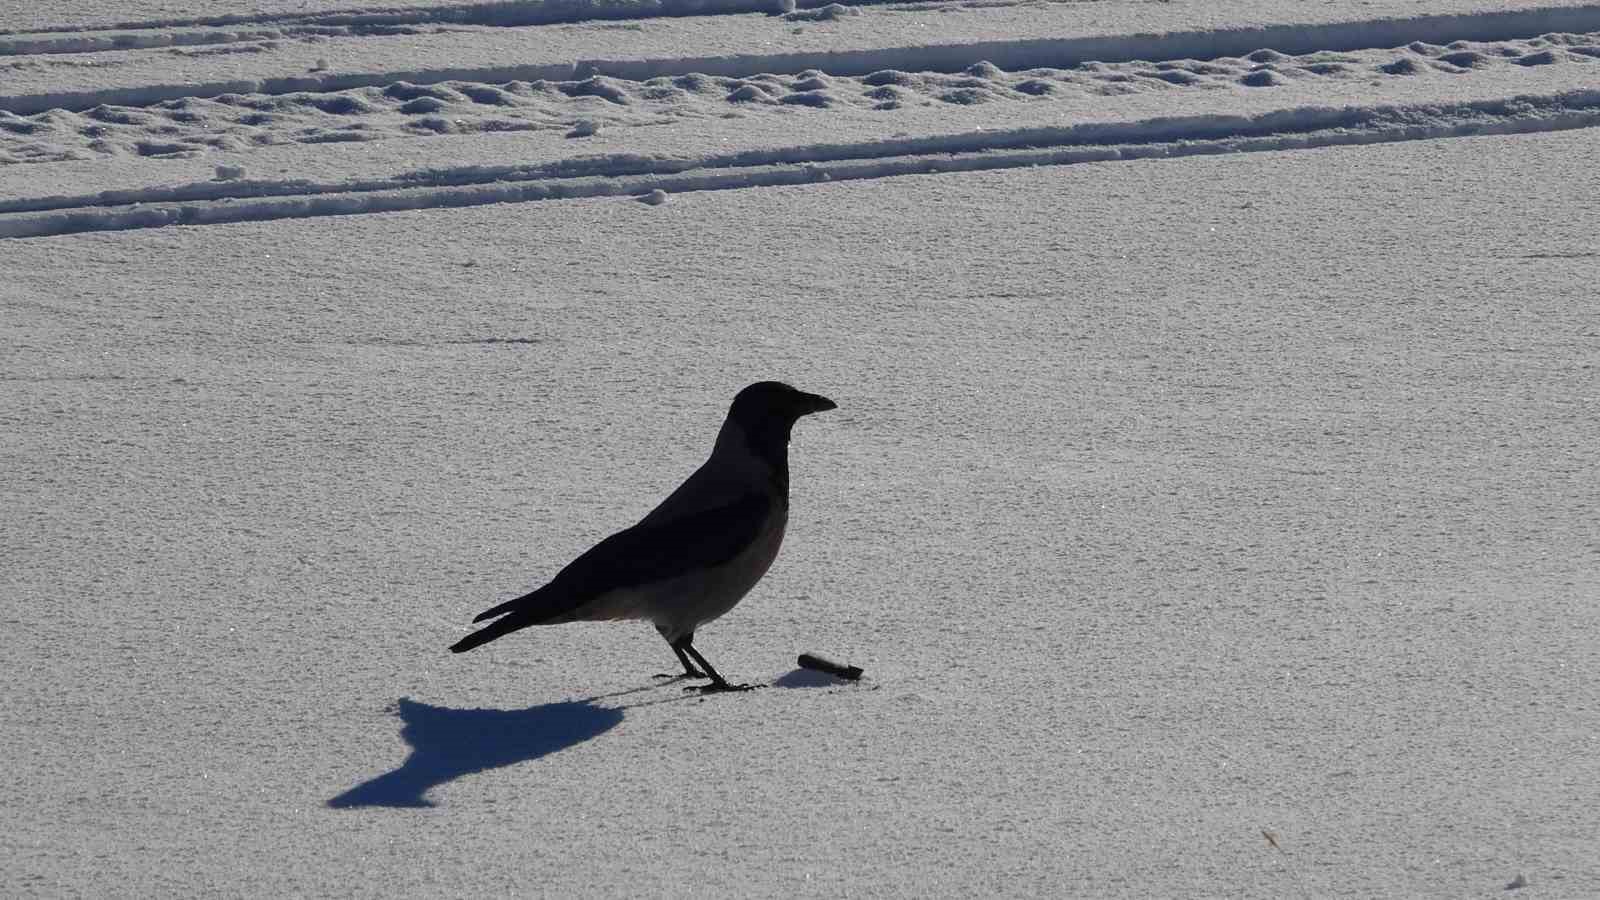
column 1210, row 501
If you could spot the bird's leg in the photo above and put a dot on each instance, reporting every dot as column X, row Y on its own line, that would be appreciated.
column 689, row 671
column 718, row 683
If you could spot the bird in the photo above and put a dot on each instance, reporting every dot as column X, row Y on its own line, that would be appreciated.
column 697, row 554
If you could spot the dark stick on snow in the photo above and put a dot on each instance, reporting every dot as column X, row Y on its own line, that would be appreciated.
column 812, row 661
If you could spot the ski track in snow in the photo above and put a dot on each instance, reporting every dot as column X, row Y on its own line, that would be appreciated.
column 167, row 121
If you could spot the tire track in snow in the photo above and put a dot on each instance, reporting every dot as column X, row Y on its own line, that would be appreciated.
column 323, row 108
column 1033, row 53
column 239, row 122
column 1164, row 138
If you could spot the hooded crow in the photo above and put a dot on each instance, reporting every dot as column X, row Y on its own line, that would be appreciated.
column 697, row 554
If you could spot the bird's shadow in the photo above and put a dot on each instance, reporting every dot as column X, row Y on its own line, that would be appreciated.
column 449, row 743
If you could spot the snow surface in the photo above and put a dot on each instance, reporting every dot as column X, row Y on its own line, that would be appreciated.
column 1210, row 501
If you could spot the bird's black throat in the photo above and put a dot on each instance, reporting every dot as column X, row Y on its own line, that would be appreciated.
column 768, row 440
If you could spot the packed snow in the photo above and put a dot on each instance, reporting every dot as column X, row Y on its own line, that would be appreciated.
column 1209, row 506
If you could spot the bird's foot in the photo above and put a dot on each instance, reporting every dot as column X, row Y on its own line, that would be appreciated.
column 721, row 687
column 667, row 676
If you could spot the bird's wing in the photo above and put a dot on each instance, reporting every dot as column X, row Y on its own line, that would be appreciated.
column 644, row 554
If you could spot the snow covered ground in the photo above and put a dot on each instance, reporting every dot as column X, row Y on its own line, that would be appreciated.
column 1215, row 456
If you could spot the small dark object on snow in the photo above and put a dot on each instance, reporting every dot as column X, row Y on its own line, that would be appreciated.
column 812, row 661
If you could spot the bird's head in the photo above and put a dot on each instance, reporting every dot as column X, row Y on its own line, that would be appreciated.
column 766, row 411
column 766, row 403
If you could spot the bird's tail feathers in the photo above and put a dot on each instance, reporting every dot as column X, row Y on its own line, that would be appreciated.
column 489, row 632
column 545, row 597
column 547, row 604
column 500, row 610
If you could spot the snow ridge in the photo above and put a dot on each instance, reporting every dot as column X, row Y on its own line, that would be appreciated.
column 1166, row 137
column 503, row 14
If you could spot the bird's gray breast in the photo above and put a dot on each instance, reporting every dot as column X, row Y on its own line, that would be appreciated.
column 696, row 598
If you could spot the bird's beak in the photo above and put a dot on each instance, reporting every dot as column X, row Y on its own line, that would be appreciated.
column 815, row 403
